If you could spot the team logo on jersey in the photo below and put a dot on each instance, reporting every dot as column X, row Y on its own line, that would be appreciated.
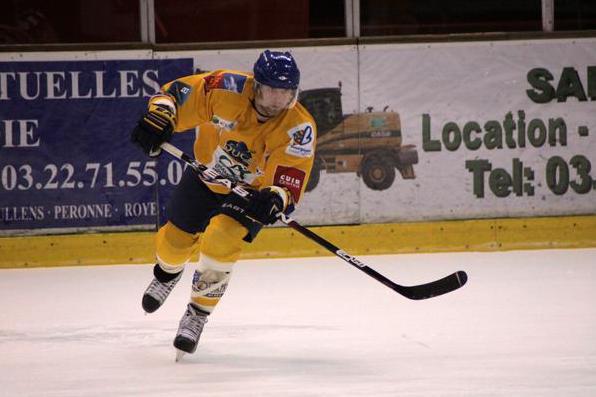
column 231, row 168
column 302, row 140
column 290, row 178
column 304, row 136
column 223, row 123
column 180, row 92
column 239, row 151
column 225, row 81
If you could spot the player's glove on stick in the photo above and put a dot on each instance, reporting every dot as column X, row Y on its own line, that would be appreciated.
column 260, row 205
column 154, row 128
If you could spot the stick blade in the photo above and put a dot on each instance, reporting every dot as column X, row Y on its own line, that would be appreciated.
column 436, row 288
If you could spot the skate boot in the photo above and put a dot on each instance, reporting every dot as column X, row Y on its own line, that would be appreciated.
column 189, row 331
column 159, row 289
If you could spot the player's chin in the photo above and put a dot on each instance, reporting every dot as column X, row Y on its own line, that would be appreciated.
column 272, row 112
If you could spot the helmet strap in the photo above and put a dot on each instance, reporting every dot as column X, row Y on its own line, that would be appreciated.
column 294, row 100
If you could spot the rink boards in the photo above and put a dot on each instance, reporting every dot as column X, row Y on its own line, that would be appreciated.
column 448, row 236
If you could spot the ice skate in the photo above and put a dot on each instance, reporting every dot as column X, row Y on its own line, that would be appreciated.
column 157, row 292
column 189, row 330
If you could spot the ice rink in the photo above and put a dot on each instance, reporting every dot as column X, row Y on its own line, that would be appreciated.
column 524, row 325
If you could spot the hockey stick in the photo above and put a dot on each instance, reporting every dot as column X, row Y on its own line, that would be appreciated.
column 416, row 292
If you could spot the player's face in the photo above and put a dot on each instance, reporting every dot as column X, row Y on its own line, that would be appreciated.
column 271, row 101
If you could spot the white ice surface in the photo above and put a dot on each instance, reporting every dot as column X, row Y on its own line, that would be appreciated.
column 525, row 325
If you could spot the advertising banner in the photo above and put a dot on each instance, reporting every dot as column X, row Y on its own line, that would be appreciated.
column 66, row 161
column 406, row 132
column 503, row 129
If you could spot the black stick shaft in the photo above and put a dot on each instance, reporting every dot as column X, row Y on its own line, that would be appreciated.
column 339, row 252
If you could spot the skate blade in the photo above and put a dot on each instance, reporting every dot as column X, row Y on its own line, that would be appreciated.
column 179, row 355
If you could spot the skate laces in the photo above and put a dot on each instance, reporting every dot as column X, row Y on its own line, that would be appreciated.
column 192, row 323
column 160, row 290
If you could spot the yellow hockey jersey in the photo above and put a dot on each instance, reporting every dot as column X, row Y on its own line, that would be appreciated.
column 231, row 140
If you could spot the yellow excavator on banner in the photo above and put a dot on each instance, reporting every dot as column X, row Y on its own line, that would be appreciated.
column 369, row 143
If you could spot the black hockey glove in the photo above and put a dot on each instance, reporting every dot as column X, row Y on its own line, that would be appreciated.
column 266, row 204
column 154, row 128
column 261, row 205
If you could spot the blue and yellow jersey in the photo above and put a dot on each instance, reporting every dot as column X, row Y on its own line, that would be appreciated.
column 231, row 140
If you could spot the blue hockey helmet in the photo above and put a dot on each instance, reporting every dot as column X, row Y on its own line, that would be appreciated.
column 277, row 69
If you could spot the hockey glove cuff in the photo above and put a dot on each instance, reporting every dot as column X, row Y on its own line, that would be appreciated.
column 155, row 127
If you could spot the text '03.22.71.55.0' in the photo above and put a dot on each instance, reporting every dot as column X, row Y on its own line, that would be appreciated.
column 24, row 177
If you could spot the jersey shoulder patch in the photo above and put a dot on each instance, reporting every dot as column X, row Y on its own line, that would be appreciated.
column 225, row 81
column 180, row 91
column 302, row 139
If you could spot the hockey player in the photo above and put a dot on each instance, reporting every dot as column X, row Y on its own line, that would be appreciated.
column 251, row 130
